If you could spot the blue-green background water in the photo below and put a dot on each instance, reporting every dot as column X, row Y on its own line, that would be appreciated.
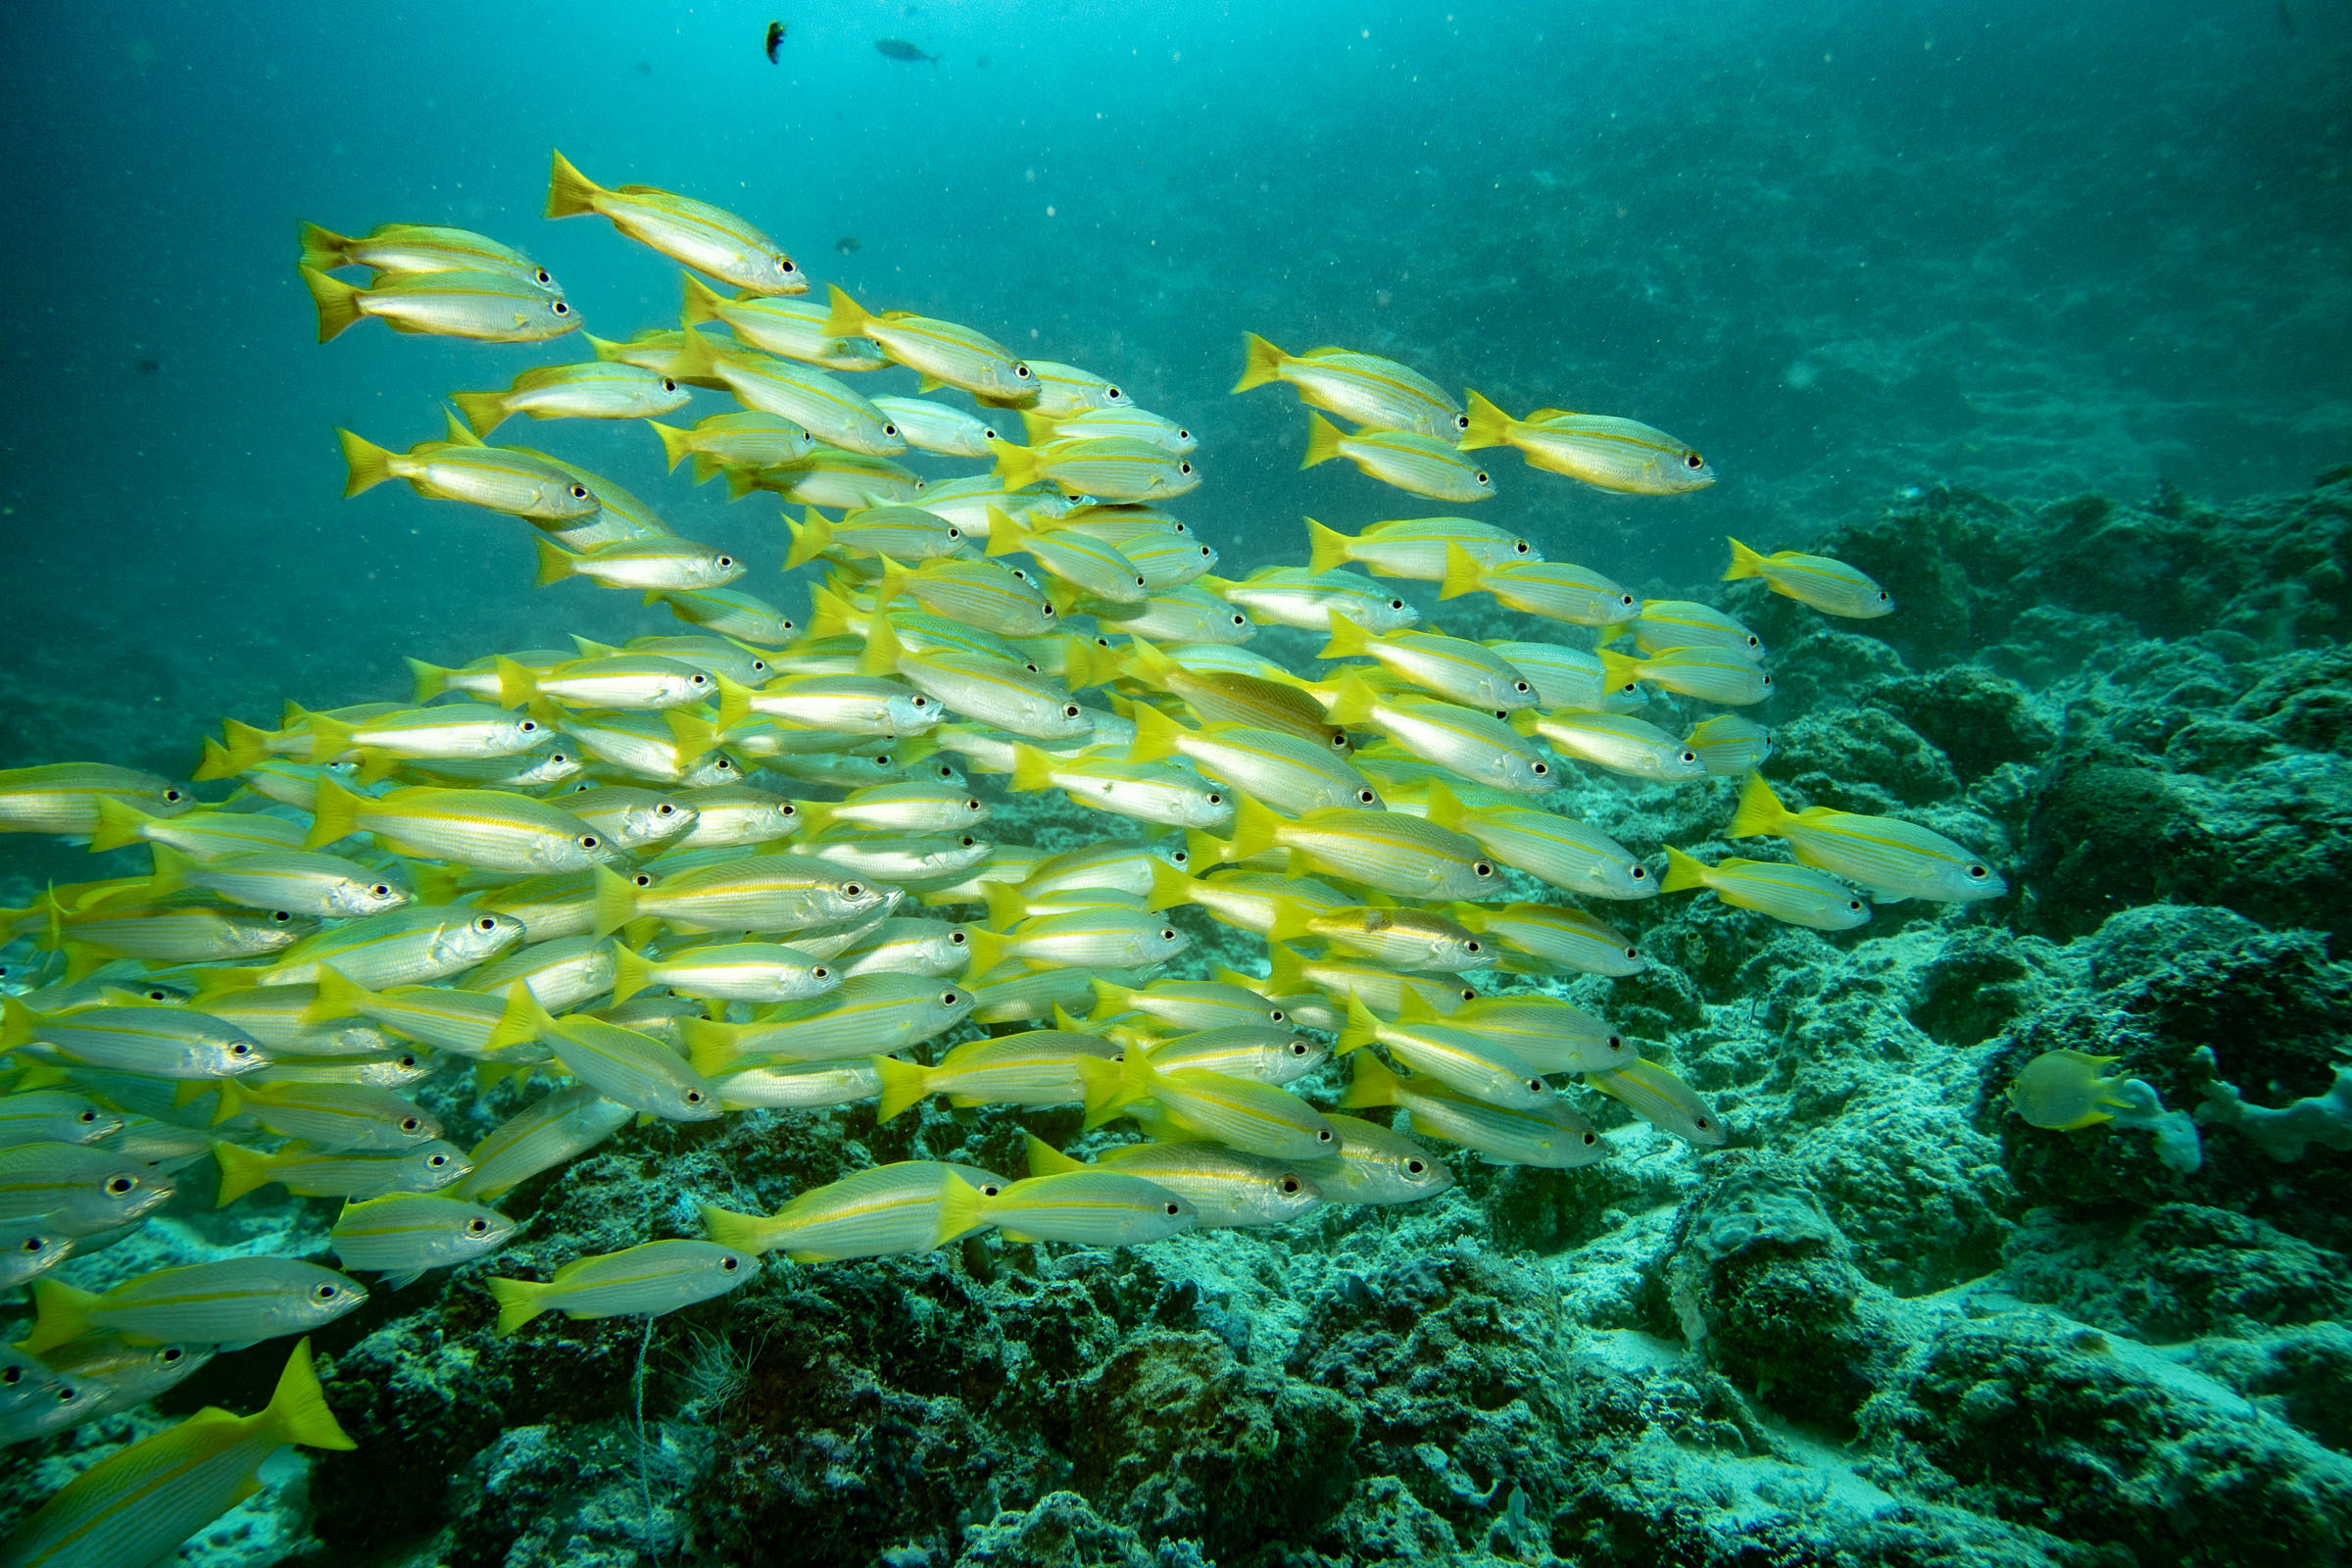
column 1843, row 249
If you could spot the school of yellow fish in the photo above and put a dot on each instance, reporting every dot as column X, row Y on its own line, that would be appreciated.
column 722, row 870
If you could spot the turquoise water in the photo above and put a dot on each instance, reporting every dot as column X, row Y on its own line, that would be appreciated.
column 2040, row 316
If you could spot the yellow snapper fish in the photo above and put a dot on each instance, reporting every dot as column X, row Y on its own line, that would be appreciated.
column 1283, row 771
column 1728, row 745
column 792, row 329
column 1829, row 586
column 1036, row 1067
column 710, row 240
column 649, row 566
column 1797, row 893
column 1140, row 424
column 1665, row 623
column 1386, row 851
column 1466, row 1061
column 1413, row 547
column 1550, row 1136
column 1087, row 563
column 941, row 352
column 232, row 1300
column 648, row 1281
column 491, row 307
column 1086, row 1207
column 731, row 613
column 1558, row 850
column 1290, row 596
column 1552, row 589
column 486, row 828
column 936, row 428
column 594, row 390
column 1376, row 393
column 335, row 1117
column 1563, row 677
column 1064, row 391
column 78, row 1191
column 1225, row 1187
column 746, row 439
column 1621, row 744
column 1662, row 1100
column 810, row 398
column 1425, row 465
column 140, row 1504
column 1375, row 1165
column 1469, row 741
column 978, row 593
column 1459, row 672
column 162, row 1042
column 873, row 1014
column 1545, row 1033
column 66, row 797
column 1113, row 467
column 326, row 886
column 1887, row 858
column 877, row 1212
column 333, row 1173
column 404, row 1235
column 2066, row 1091
column 1093, row 939
column 420, row 248
column 1241, row 1113
column 493, row 478
column 1607, row 453
column 1410, row 939
column 1143, row 792
column 1539, row 937
column 541, row 1136
column 1711, row 674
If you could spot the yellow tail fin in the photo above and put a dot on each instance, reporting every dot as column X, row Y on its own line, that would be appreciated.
column 746, row 1233
column 1489, row 427
column 959, row 1210
column 1464, row 574
column 632, row 973
column 1361, row 1030
column 1746, row 563
column 518, row 1300
column 553, row 565
column 520, row 1023
column 338, row 997
column 1348, row 641
column 1156, row 735
column 697, row 358
column 484, row 412
column 516, row 686
column 1327, row 548
column 696, row 737
column 431, row 680
column 883, row 649
column 1322, row 441
column 1442, row 809
column 1032, row 769
column 1169, row 887
column 809, row 539
column 1373, row 1083
column 1292, row 921
column 616, row 901
column 676, row 445
column 1017, row 465
column 323, row 248
column 828, row 613
column 335, row 813
column 338, row 302
column 1760, row 813
column 1262, row 362
column 1255, row 828
column 1617, row 669
column 846, row 319
column 1047, row 1161
column 1353, row 707
column 370, row 464
column 64, row 1313
column 701, row 304
column 710, row 1045
column 119, row 824
column 569, row 192
column 298, row 1408
column 1682, row 873
column 242, row 1170
column 903, row 1084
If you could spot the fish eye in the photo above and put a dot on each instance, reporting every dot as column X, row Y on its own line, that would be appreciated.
column 1640, row 872
column 948, row 999
column 488, row 922
column 542, row 275
column 1521, row 546
column 11, row 1376
column 409, row 1124
column 87, row 1117
column 1854, row 906
column 1415, row 1167
column 1537, row 1085
column 990, row 1189
column 1543, row 771
column 1070, row 712
column 561, row 308
column 1167, row 933
column 956, row 939
column 1702, row 1123
column 694, row 1097
column 159, row 994
column 725, row 562
column 1020, row 371
column 1627, row 600
column 1114, row 395
column 967, row 841
column 890, row 429
column 821, row 972
column 1396, row 603
column 643, row 879
column 1481, row 477
column 784, row 265
column 1241, row 621
column 1298, row 1046
column 1185, row 467
column 435, row 1162
column 667, row 385
column 406, row 1060
column 1522, row 688
column 477, row 1227
column 116, row 1185
column 1481, row 868
column 921, row 702
column 282, row 916
column 529, row 726
column 172, row 797
column 240, row 1048
column 1215, row 799
column 172, row 1354
column 1467, row 994
column 66, row 1394
column 1290, row 1185
column 381, row 890
column 851, row 890
column 578, row 492
column 588, row 841
column 323, row 1292
column 1591, row 1138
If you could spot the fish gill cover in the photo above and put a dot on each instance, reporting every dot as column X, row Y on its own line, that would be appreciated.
column 1719, row 956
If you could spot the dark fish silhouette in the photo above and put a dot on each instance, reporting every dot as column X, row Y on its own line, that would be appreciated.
column 900, row 49
column 846, row 244
column 776, row 36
